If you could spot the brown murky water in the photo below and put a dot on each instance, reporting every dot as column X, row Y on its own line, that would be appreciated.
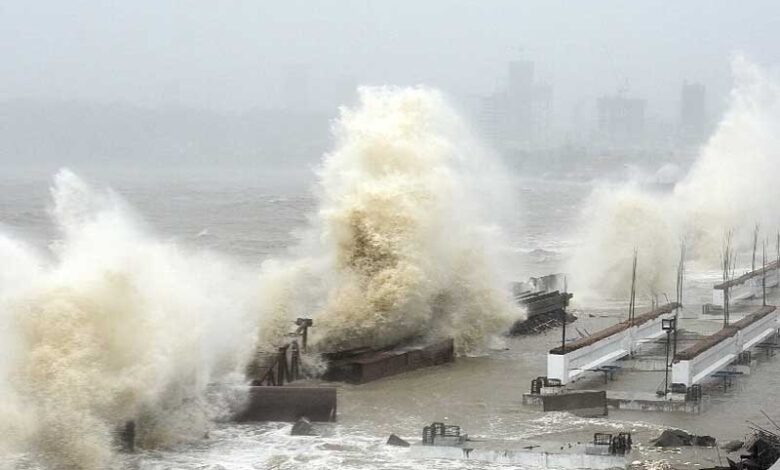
column 254, row 217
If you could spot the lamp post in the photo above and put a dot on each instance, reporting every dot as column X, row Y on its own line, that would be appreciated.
column 669, row 326
column 303, row 329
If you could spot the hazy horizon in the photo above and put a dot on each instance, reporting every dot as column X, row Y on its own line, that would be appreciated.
column 245, row 82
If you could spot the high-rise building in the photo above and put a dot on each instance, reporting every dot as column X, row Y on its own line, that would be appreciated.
column 693, row 113
column 518, row 116
column 621, row 120
column 520, row 95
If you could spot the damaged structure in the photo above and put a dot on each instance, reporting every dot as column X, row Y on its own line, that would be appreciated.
column 545, row 300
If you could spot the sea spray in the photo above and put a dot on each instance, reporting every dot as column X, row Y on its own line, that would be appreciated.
column 402, row 247
column 733, row 183
column 113, row 325
column 620, row 219
column 731, row 186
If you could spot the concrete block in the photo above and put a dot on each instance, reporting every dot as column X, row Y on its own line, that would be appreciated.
column 288, row 404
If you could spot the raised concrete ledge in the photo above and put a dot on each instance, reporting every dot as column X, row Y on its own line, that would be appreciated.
column 585, row 403
column 607, row 346
column 267, row 403
column 578, row 458
column 639, row 401
column 618, row 400
column 747, row 276
column 727, row 332
column 617, row 328
column 715, row 352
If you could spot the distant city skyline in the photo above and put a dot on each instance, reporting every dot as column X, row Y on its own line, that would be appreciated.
column 245, row 80
column 237, row 56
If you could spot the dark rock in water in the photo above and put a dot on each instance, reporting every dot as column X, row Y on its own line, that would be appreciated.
column 126, row 437
column 732, row 446
column 763, row 450
column 303, row 427
column 680, row 438
column 394, row 440
column 704, row 441
column 673, row 438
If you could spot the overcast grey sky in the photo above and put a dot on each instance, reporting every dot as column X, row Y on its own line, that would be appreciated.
column 232, row 55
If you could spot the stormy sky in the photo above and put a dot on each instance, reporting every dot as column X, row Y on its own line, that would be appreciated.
column 235, row 56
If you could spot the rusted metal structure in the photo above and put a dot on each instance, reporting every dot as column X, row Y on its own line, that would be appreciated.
column 545, row 300
column 283, row 366
column 619, row 444
column 365, row 364
column 442, row 434
column 267, row 399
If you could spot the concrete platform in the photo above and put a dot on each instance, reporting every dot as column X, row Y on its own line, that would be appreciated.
column 716, row 352
column 541, row 456
column 646, row 401
column 288, row 404
column 585, row 403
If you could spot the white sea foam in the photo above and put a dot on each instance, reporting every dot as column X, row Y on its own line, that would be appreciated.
column 114, row 325
column 401, row 244
column 731, row 186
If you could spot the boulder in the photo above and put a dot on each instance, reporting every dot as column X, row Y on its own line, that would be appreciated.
column 303, row 427
column 673, row 438
column 394, row 440
column 680, row 438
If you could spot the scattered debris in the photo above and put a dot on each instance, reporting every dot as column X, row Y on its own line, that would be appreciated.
column 394, row 440
column 540, row 323
column 763, row 449
column 545, row 300
column 732, row 446
column 440, row 434
column 608, row 444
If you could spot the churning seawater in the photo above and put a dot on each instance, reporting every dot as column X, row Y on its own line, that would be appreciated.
column 258, row 215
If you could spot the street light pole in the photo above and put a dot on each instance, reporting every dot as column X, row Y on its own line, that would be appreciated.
column 669, row 326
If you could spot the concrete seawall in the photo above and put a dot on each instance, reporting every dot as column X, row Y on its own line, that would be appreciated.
column 288, row 404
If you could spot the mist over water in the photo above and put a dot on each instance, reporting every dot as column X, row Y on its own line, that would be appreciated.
column 406, row 241
column 179, row 184
column 111, row 325
column 731, row 186
column 401, row 245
